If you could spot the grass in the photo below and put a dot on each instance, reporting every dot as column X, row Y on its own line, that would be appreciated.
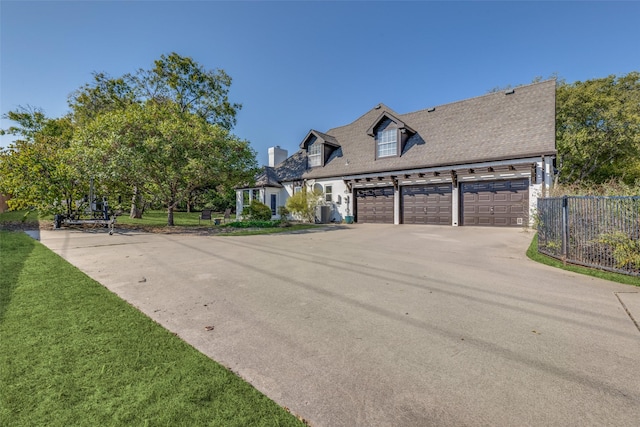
column 158, row 218
column 533, row 254
column 156, row 221
column 73, row 353
column 19, row 217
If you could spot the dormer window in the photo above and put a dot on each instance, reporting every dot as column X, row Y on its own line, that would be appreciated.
column 387, row 142
column 314, row 154
column 390, row 135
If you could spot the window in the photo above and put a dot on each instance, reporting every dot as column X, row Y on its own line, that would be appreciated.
column 297, row 189
column 327, row 193
column 387, row 142
column 255, row 195
column 245, row 198
column 315, row 154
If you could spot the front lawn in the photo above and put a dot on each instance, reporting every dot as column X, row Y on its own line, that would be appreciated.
column 158, row 218
column 73, row 353
column 156, row 221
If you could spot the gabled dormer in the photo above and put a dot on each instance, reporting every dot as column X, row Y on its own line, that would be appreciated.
column 390, row 135
column 319, row 147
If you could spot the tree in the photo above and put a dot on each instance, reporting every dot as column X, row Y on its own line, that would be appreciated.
column 189, row 85
column 163, row 150
column 304, row 203
column 173, row 79
column 38, row 170
column 598, row 129
column 104, row 94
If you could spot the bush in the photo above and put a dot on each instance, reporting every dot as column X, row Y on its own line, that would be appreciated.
column 304, row 203
column 253, row 224
column 624, row 249
column 257, row 211
column 613, row 187
column 284, row 216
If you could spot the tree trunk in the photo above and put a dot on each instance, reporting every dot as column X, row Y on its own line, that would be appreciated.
column 170, row 215
column 136, row 212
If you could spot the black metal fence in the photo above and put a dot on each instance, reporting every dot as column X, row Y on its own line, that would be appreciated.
column 600, row 232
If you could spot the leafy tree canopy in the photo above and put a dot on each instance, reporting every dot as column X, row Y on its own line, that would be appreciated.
column 174, row 78
column 598, row 129
column 38, row 170
column 163, row 150
column 163, row 132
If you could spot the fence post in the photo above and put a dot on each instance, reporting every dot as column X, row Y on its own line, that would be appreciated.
column 565, row 226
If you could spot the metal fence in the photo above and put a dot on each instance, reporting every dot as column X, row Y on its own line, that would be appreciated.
column 600, row 232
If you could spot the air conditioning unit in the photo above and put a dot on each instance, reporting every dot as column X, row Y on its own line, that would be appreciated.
column 323, row 214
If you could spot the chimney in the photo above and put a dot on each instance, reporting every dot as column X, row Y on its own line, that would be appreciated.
column 277, row 155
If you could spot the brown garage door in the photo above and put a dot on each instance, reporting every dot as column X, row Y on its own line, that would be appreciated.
column 426, row 204
column 374, row 205
column 495, row 203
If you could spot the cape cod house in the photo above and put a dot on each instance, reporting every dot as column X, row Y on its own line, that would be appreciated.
column 480, row 161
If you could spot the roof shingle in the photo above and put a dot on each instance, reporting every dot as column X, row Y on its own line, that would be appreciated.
column 496, row 126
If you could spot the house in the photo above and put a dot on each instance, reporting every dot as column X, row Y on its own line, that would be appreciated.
column 481, row 161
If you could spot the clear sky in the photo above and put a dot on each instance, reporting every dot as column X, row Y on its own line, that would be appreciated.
column 307, row 65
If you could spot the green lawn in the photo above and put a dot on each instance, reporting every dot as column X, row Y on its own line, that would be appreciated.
column 24, row 217
column 158, row 218
column 533, row 254
column 73, row 353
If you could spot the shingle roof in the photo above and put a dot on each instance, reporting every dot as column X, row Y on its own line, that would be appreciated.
column 293, row 167
column 496, row 126
column 267, row 178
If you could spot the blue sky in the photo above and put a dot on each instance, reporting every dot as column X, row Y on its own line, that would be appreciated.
column 298, row 66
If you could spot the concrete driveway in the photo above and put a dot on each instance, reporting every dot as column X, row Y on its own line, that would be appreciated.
column 376, row 325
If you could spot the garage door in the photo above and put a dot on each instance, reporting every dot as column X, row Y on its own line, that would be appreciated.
column 495, row 203
column 426, row 204
column 375, row 205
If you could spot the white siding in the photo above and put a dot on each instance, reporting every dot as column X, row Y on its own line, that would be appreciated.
column 341, row 198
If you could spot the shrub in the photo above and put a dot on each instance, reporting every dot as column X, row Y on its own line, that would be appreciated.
column 613, row 187
column 304, row 204
column 284, row 216
column 257, row 211
column 625, row 250
column 253, row 224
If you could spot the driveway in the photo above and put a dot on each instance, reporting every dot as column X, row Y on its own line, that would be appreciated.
column 381, row 325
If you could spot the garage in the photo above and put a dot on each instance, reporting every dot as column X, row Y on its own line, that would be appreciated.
column 374, row 205
column 426, row 204
column 495, row 203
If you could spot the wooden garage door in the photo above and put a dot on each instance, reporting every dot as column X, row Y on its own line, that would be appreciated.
column 427, row 204
column 374, row 205
column 495, row 203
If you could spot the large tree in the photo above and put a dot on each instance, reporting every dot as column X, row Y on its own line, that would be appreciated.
column 173, row 79
column 38, row 169
column 164, row 150
column 598, row 129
